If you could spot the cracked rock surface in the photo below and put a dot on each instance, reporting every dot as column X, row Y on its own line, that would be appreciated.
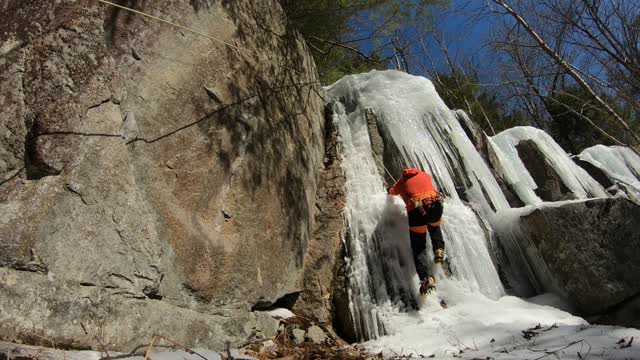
column 132, row 201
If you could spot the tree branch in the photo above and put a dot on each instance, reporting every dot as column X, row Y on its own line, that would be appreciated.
column 561, row 62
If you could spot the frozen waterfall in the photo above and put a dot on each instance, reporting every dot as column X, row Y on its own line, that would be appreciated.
column 390, row 120
column 418, row 131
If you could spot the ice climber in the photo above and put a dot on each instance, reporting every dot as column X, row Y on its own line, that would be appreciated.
column 424, row 208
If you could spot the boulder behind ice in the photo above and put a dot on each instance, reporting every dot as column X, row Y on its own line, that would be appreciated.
column 550, row 185
column 591, row 250
column 537, row 169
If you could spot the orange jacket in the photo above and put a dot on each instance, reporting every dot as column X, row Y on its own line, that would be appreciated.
column 414, row 185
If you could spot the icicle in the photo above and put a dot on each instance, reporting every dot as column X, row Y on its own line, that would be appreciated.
column 516, row 174
column 621, row 165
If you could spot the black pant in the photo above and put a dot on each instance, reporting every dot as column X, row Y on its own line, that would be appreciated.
column 433, row 214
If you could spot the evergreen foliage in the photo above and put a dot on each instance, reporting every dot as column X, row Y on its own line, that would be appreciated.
column 461, row 92
column 349, row 36
column 343, row 62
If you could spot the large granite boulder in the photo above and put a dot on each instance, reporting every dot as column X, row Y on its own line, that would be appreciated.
column 591, row 250
column 152, row 181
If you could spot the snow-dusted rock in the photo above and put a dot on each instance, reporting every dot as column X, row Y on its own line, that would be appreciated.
column 537, row 169
column 595, row 172
column 615, row 165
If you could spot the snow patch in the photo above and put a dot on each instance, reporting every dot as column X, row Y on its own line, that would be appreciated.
column 280, row 313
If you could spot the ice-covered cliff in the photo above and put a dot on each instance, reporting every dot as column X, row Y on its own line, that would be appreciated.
column 390, row 120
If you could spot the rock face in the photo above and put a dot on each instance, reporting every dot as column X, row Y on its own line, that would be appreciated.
column 550, row 185
column 342, row 320
column 474, row 132
column 595, row 172
column 591, row 249
column 316, row 300
column 152, row 181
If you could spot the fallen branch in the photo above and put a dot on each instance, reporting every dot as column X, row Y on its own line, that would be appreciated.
column 125, row 356
column 134, row 352
column 146, row 354
column 536, row 330
column 627, row 344
column 229, row 356
column 547, row 353
column 183, row 347
column 343, row 46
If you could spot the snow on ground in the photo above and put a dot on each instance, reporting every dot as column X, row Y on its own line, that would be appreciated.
column 481, row 328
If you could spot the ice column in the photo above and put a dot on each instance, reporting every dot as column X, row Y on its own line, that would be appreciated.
column 412, row 116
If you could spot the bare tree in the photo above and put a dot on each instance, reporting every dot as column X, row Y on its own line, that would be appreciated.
column 554, row 53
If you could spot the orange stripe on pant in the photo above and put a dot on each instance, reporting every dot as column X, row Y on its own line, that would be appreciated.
column 422, row 229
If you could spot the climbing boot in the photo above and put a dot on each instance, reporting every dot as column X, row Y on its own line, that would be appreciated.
column 439, row 255
column 427, row 285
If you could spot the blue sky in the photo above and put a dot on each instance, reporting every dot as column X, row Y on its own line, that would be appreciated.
column 463, row 32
